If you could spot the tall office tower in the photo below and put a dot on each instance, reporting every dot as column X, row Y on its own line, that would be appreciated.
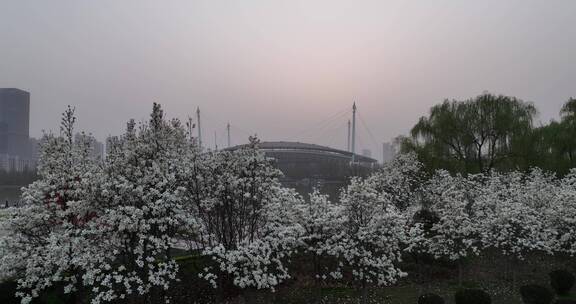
column 388, row 152
column 14, row 122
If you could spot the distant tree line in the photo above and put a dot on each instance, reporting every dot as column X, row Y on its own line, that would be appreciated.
column 493, row 132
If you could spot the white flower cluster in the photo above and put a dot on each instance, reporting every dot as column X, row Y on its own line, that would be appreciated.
column 515, row 213
column 109, row 227
column 364, row 234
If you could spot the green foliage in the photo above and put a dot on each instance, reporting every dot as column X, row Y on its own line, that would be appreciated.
column 427, row 218
column 536, row 294
column 7, row 293
column 565, row 301
column 562, row 282
column 492, row 132
column 430, row 298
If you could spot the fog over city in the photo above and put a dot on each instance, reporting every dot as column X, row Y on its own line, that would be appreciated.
column 287, row 152
column 278, row 68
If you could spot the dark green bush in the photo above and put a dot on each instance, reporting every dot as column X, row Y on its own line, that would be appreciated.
column 562, row 281
column 427, row 218
column 7, row 293
column 565, row 301
column 536, row 294
column 430, row 298
column 472, row 296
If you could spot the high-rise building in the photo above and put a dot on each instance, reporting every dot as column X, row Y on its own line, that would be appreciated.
column 388, row 152
column 15, row 122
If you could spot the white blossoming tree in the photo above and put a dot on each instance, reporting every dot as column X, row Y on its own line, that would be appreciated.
column 562, row 215
column 45, row 241
column 514, row 218
column 143, row 214
column 456, row 234
column 247, row 220
column 400, row 180
column 322, row 222
column 370, row 245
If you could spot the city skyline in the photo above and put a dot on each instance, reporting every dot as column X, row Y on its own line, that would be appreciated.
column 287, row 151
column 277, row 68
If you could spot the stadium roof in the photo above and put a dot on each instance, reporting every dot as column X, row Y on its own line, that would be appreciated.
column 289, row 146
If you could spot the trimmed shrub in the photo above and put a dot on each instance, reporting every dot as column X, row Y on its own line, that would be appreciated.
column 536, row 294
column 561, row 281
column 472, row 296
column 565, row 301
column 430, row 298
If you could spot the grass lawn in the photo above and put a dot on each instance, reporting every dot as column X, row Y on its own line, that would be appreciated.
column 406, row 294
column 491, row 273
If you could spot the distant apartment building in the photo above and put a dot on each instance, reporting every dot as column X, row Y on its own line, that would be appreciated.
column 34, row 149
column 366, row 152
column 96, row 146
column 98, row 149
column 15, row 145
column 14, row 163
column 388, row 152
column 110, row 142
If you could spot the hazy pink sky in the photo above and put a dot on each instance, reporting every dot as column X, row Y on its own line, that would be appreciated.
column 280, row 67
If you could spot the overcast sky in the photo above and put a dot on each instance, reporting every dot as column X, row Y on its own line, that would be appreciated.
column 281, row 68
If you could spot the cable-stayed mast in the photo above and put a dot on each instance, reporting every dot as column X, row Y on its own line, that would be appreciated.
column 348, row 142
column 199, row 128
column 353, row 132
column 228, row 130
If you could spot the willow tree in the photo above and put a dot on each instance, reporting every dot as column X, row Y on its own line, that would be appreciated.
column 474, row 135
column 553, row 146
column 568, row 114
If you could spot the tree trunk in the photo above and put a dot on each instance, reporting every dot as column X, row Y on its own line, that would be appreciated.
column 421, row 287
column 514, row 274
column 364, row 294
column 514, row 265
column 317, row 292
column 241, row 299
column 460, row 273
column 247, row 297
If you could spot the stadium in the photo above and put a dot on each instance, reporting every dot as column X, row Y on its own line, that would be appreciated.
column 306, row 166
